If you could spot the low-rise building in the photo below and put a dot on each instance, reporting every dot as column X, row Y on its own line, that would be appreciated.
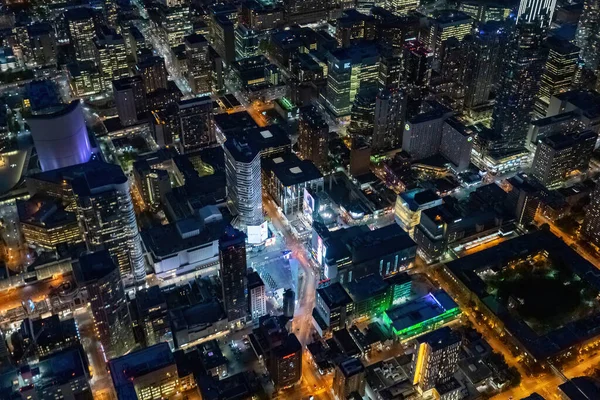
column 185, row 246
column 334, row 308
column 421, row 315
column 148, row 374
column 45, row 223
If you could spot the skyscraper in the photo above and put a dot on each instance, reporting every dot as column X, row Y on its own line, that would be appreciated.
column 435, row 358
column 539, row 12
column 100, row 277
column 402, row 6
column 198, row 64
column 519, row 83
column 444, row 25
column 195, row 118
column 313, row 134
column 484, row 49
column 111, row 56
column 591, row 222
column 588, row 34
column 390, row 111
column 257, row 298
column 558, row 156
column 153, row 73
column 232, row 257
column 81, row 29
column 130, row 98
column 349, row 71
column 244, row 186
column 42, row 40
column 105, row 211
column 559, row 72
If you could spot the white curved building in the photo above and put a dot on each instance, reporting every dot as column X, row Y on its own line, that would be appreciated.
column 61, row 138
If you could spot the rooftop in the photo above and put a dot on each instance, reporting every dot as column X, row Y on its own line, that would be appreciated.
column 290, row 170
column 581, row 388
column 420, row 310
column 366, row 287
column 451, row 17
column 417, row 198
column 351, row 367
column 440, row 338
column 91, row 174
column 166, row 240
column 334, row 295
column 136, row 364
column 263, row 138
column 232, row 123
column 254, row 280
column 586, row 100
column 94, row 266
column 560, row 141
column 62, row 367
column 45, row 212
column 195, row 39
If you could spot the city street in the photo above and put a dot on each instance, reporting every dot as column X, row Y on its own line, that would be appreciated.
column 36, row 291
column 163, row 49
column 312, row 383
column 100, row 382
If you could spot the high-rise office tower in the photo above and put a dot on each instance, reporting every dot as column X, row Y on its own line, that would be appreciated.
column 244, row 186
column 313, row 137
column 558, row 156
column 195, row 118
column 422, row 134
column 482, row 60
column 199, row 65
column 42, row 40
column 361, row 113
column 354, row 26
column 435, row 358
column 388, row 121
column 232, row 257
column 98, row 274
column 349, row 70
column 306, row 11
column 444, row 25
column 559, row 72
column 539, row 12
column 349, row 377
column 223, row 37
column 153, row 73
column 246, row 42
column 390, row 71
column 402, row 6
column 257, row 297
column 175, row 24
column 130, row 98
column 486, row 10
column 82, row 30
column 523, row 63
column 591, row 222
column 588, row 34
column 457, row 143
column 106, row 214
column 417, row 65
column 111, row 56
